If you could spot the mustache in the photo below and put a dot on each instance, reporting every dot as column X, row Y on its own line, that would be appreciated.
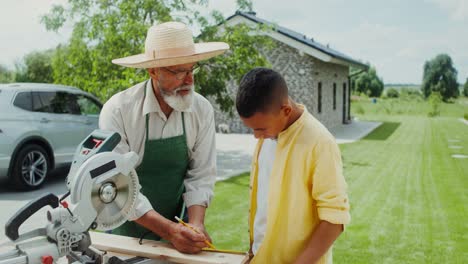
column 183, row 88
column 180, row 89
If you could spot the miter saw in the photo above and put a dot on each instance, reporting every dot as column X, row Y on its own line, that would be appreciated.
column 103, row 188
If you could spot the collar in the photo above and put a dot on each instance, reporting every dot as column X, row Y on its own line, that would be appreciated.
column 294, row 126
column 151, row 104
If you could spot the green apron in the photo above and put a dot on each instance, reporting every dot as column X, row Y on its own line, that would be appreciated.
column 161, row 175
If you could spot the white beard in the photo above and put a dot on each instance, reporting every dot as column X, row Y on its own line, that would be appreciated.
column 179, row 102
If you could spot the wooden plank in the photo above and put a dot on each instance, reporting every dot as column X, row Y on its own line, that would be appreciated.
column 160, row 250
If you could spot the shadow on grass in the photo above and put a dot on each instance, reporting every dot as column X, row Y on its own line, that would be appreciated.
column 360, row 164
column 241, row 180
column 383, row 132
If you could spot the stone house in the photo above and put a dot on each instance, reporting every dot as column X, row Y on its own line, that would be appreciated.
column 317, row 76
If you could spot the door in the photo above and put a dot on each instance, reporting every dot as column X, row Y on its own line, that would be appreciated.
column 89, row 110
column 58, row 122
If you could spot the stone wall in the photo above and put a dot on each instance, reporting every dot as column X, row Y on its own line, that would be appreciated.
column 302, row 73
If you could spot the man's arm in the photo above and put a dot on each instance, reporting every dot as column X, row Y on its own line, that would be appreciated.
column 201, row 175
column 196, row 214
column 111, row 119
column 323, row 237
column 182, row 238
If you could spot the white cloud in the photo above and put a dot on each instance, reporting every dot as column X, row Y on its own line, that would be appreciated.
column 398, row 49
column 398, row 53
column 22, row 31
column 458, row 9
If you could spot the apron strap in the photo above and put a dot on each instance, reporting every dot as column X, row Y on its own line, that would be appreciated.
column 183, row 123
column 146, row 124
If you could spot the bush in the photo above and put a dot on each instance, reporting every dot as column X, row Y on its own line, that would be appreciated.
column 435, row 100
column 360, row 110
column 393, row 93
column 410, row 91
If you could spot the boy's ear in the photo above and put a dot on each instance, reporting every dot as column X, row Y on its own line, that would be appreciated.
column 287, row 109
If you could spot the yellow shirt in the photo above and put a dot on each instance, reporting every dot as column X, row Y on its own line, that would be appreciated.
column 306, row 186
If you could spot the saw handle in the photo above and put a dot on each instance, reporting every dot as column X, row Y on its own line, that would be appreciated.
column 101, row 141
column 13, row 224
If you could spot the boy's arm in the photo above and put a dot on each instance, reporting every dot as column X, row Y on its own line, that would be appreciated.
column 323, row 237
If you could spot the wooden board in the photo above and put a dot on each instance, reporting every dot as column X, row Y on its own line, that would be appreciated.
column 159, row 250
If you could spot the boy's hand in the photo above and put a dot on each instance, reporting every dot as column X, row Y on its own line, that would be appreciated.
column 322, row 239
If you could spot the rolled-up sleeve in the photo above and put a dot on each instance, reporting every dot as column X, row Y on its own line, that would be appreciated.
column 142, row 206
column 329, row 186
column 111, row 119
column 201, row 175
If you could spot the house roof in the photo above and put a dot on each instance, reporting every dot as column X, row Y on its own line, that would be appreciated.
column 322, row 52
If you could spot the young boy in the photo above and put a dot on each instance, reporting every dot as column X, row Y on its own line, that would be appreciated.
column 298, row 200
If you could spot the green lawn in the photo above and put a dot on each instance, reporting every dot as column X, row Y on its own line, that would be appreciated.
column 409, row 197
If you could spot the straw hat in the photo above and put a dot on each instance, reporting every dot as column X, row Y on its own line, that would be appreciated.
column 171, row 43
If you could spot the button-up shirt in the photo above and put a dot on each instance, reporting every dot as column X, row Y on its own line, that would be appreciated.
column 125, row 113
column 306, row 185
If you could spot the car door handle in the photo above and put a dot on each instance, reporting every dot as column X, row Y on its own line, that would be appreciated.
column 45, row 120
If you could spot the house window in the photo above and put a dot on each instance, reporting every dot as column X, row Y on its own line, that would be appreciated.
column 334, row 96
column 319, row 105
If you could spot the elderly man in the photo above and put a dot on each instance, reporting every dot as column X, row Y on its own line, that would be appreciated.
column 172, row 129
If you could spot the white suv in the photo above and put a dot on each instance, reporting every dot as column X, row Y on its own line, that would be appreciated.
column 40, row 127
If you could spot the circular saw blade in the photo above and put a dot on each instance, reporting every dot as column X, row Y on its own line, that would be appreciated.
column 114, row 199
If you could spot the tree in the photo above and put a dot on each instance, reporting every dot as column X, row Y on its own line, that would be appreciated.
column 440, row 76
column 465, row 88
column 369, row 83
column 393, row 93
column 105, row 30
column 6, row 75
column 244, row 5
column 35, row 67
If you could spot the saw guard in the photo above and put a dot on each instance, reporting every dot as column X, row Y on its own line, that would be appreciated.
column 114, row 214
column 115, row 172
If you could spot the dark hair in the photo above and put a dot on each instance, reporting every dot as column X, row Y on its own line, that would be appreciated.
column 260, row 90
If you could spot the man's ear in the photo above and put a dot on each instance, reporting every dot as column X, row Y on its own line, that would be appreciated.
column 153, row 72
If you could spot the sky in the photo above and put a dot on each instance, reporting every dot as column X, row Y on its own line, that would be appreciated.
column 395, row 36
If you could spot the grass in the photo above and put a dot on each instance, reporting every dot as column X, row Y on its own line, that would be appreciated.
column 413, row 105
column 227, row 216
column 408, row 195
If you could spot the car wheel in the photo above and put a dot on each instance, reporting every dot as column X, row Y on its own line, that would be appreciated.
column 30, row 168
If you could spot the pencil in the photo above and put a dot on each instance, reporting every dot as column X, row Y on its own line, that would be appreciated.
column 225, row 251
column 195, row 230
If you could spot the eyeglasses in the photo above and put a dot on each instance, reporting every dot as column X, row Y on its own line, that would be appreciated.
column 180, row 75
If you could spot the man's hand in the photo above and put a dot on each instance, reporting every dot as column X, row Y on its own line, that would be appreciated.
column 201, row 228
column 186, row 240
column 182, row 238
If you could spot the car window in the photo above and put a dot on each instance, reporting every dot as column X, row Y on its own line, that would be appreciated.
column 23, row 100
column 39, row 105
column 55, row 102
column 88, row 105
